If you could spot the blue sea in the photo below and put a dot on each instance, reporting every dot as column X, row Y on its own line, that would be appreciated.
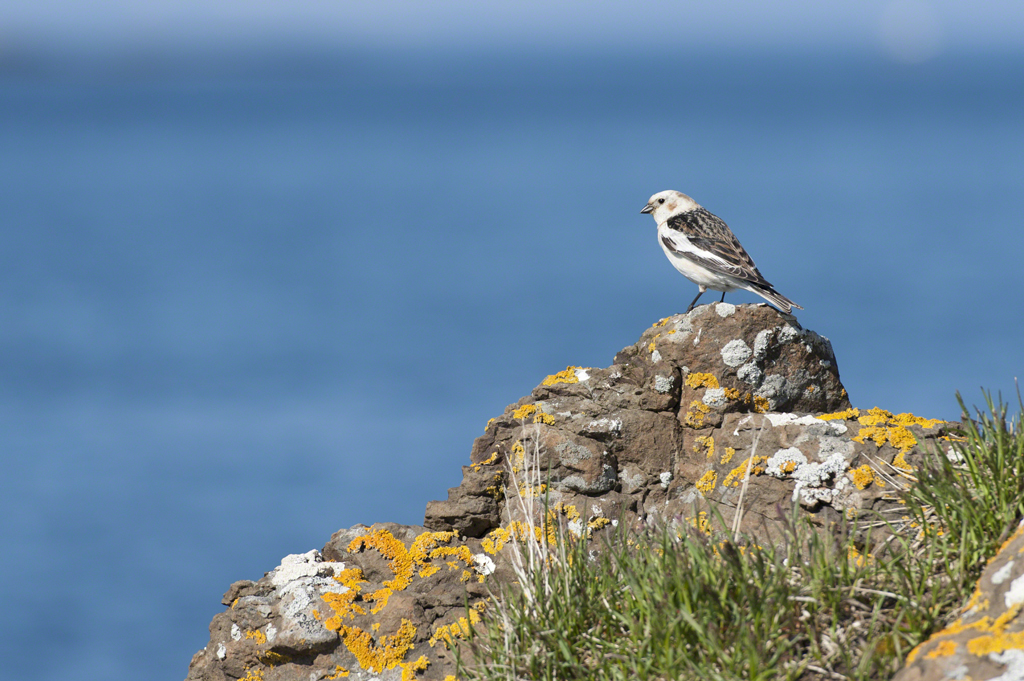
column 250, row 299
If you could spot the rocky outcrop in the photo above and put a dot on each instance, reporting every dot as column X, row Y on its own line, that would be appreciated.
column 734, row 409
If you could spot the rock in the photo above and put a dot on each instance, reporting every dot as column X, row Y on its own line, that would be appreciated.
column 726, row 403
column 985, row 642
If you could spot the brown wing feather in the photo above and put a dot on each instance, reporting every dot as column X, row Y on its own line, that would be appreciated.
column 707, row 231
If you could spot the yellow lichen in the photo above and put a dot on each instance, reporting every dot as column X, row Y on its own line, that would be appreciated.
column 697, row 380
column 446, row 634
column 857, row 558
column 737, row 474
column 524, row 411
column 862, row 476
column 378, row 656
column 660, row 322
column 567, row 376
column 695, row 415
column 486, row 462
column 995, row 643
column 518, row 456
column 944, row 649
column 272, row 658
column 707, row 443
column 532, row 491
column 761, row 404
column 706, row 484
column 339, row 673
column 732, row 394
column 343, row 604
column 900, row 462
column 702, row 523
column 911, row 420
column 850, row 413
column 729, row 453
column 489, row 423
column 598, row 523
column 546, row 419
column 252, row 675
column 650, row 346
column 257, row 636
column 409, row 669
column 875, row 417
column 901, row 438
column 401, row 564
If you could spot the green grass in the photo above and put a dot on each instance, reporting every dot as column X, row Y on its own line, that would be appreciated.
column 676, row 604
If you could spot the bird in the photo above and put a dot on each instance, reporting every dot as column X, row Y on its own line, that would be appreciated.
column 702, row 247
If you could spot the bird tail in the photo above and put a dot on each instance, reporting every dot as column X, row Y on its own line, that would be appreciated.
column 774, row 297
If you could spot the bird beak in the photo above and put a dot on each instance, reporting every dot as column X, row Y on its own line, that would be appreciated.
column 648, row 209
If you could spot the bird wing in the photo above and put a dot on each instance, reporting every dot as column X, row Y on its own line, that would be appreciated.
column 704, row 238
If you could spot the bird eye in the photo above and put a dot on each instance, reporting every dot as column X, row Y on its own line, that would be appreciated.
column 661, row 200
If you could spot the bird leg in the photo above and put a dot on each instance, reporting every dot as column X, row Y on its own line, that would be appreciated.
column 723, row 297
column 700, row 292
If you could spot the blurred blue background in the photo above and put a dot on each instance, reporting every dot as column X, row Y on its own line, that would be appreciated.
column 266, row 270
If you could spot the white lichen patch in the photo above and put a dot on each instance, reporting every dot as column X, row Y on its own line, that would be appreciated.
column 1015, row 594
column 655, row 357
column 570, row 453
column 714, row 397
column 271, row 632
column 696, row 341
column 581, row 374
column 632, row 478
column 663, row 384
column 825, row 363
column 784, row 462
column 735, row 353
column 775, row 388
column 788, row 333
column 484, row 564
column 750, row 373
column 725, row 309
column 236, row 633
column 300, row 580
column 812, row 480
column 222, row 651
column 785, row 419
column 1003, row 573
column 301, row 566
column 1011, row 660
column 576, row 527
column 665, row 478
column 761, row 343
column 604, row 426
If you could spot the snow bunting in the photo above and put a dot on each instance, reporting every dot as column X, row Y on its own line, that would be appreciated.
column 703, row 248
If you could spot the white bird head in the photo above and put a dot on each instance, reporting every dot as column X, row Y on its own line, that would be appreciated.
column 664, row 205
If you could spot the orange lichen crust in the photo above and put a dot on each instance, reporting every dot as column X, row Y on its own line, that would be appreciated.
column 706, row 443
column 696, row 380
column 736, row 475
column 850, row 413
column 727, row 457
column 567, row 376
column 446, row 634
column 545, row 531
column 528, row 410
column 695, row 415
column 486, row 462
column 881, row 427
column 761, row 404
column 862, row 476
column 706, row 484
